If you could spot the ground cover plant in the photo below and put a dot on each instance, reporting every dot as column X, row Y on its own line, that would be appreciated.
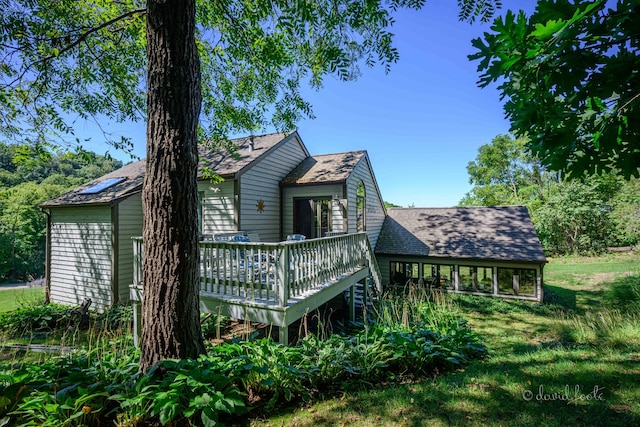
column 99, row 382
column 573, row 360
column 538, row 370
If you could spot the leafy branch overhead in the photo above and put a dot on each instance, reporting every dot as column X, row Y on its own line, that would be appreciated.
column 570, row 75
column 61, row 59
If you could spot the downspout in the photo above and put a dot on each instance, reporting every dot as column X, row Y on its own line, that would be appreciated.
column 237, row 199
column 281, row 211
column 47, row 258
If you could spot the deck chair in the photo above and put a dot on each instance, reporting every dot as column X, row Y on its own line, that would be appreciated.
column 296, row 237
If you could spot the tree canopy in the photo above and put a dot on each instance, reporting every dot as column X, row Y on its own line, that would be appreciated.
column 504, row 173
column 582, row 215
column 198, row 71
column 26, row 180
column 570, row 74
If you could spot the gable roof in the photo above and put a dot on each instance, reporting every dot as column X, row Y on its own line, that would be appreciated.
column 227, row 165
column 324, row 169
column 502, row 233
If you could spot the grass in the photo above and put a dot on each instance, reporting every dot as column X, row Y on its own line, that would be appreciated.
column 570, row 361
column 10, row 299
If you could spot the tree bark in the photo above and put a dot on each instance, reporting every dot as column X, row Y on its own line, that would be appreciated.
column 170, row 306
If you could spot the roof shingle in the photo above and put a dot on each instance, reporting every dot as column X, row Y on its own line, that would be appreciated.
column 496, row 233
column 324, row 169
column 224, row 163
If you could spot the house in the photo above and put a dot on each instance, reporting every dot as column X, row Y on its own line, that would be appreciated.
column 480, row 250
column 273, row 188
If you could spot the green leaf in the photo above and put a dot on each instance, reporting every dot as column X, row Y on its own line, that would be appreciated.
column 547, row 30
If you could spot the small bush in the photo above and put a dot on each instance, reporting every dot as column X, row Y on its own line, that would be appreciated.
column 29, row 319
column 117, row 317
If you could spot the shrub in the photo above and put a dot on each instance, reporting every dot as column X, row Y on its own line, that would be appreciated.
column 29, row 319
column 117, row 317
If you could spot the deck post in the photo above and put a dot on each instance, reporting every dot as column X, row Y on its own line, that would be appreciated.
column 283, row 335
column 283, row 276
column 137, row 323
column 352, row 302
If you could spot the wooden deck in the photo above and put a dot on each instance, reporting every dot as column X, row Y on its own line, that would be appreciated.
column 275, row 283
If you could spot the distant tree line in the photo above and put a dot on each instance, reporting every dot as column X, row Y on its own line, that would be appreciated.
column 584, row 214
column 28, row 178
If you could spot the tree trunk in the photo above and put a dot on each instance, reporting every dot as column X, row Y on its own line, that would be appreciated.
column 170, row 306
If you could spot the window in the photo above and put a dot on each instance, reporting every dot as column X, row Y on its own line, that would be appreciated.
column 437, row 276
column 476, row 279
column 403, row 272
column 485, row 279
column 361, row 207
column 446, row 276
column 516, row 281
column 430, row 274
column 466, row 277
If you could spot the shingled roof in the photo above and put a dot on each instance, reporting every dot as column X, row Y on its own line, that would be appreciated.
column 224, row 163
column 503, row 233
column 324, row 169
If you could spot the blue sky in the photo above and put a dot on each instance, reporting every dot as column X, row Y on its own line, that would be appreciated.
column 421, row 124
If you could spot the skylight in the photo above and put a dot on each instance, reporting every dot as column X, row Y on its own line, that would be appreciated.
column 102, row 185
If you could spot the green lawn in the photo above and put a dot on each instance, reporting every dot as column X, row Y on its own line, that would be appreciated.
column 535, row 374
column 10, row 299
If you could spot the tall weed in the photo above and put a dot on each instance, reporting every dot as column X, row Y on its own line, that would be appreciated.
column 624, row 294
column 606, row 328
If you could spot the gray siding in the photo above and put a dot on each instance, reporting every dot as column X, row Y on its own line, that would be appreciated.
column 129, row 225
column 262, row 183
column 218, row 207
column 81, row 255
column 375, row 212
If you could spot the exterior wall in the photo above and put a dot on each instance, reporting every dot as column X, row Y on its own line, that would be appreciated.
column 129, row 224
column 375, row 211
column 335, row 191
column 384, row 261
column 218, row 207
column 81, row 255
column 262, row 183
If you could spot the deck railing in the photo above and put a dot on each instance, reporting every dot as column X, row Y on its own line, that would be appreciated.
column 274, row 273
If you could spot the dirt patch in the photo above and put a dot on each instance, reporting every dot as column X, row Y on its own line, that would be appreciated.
column 594, row 279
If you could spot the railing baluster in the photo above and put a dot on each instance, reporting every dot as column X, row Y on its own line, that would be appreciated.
column 274, row 272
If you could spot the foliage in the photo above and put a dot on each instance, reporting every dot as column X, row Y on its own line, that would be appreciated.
column 570, row 216
column 483, row 9
column 569, row 74
column 212, row 325
column 505, row 173
column 575, row 218
column 606, row 327
column 626, row 212
column 93, row 54
column 624, row 294
column 28, row 178
column 29, row 319
column 115, row 318
column 102, row 384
